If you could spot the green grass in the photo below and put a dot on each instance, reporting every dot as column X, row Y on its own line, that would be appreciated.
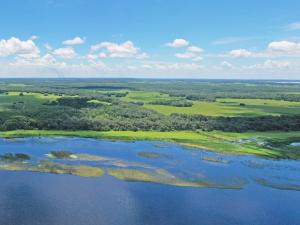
column 254, row 143
column 222, row 107
column 232, row 107
column 29, row 100
column 145, row 96
column 35, row 95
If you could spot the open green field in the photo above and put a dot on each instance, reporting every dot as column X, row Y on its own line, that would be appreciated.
column 145, row 96
column 264, row 144
column 232, row 107
column 222, row 107
column 26, row 99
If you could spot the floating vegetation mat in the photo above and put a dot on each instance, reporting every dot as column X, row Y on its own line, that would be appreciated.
column 215, row 159
column 273, row 184
column 161, row 176
column 45, row 166
column 151, row 155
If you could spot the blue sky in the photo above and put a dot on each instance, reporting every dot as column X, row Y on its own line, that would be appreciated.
column 151, row 38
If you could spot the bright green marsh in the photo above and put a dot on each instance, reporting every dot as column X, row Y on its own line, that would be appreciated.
column 255, row 143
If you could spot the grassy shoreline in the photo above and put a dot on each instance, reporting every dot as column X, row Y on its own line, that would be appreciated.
column 253, row 143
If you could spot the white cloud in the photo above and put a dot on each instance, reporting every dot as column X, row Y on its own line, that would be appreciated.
column 177, row 43
column 195, row 49
column 123, row 50
column 191, row 52
column 197, row 59
column 67, row 52
column 45, row 61
column 102, row 55
column 74, row 41
column 284, row 46
column 240, row 53
column 34, row 37
column 226, row 65
column 143, row 55
column 92, row 57
column 293, row 26
column 14, row 46
column 48, row 47
column 272, row 64
column 275, row 49
column 185, row 55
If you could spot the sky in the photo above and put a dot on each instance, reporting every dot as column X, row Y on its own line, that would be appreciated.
column 214, row 39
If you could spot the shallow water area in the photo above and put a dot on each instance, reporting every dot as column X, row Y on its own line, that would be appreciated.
column 295, row 144
column 230, row 189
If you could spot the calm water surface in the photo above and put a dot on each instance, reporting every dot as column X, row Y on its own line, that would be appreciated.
column 28, row 198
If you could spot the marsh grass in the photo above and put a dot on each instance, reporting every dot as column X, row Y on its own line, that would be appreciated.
column 45, row 166
column 275, row 185
column 151, row 155
column 216, row 160
column 161, row 176
column 14, row 157
column 223, row 142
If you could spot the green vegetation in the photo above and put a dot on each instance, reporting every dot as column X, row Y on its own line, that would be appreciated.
column 164, row 177
column 151, row 155
column 241, row 116
column 233, row 107
column 18, row 157
column 215, row 160
column 281, row 185
column 61, row 154
column 50, row 167
column 256, row 143
column 148, row 105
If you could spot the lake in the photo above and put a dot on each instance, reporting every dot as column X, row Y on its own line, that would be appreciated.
column 184, row 186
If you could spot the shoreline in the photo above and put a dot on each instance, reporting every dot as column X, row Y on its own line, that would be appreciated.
column 248, row 143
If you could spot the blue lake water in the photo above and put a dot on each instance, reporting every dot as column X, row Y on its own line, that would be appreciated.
column 28, row 198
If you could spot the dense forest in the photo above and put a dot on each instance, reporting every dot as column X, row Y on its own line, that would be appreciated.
column 84, row 105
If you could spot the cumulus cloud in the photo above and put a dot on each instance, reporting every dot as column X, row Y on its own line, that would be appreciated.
column 191, row 52
column 15, row 46
column 74, row 41
column 240, row 53
column 67, row 53
column 274, row 49
column 195, row 49
column 185, row 55
column 177, row 43
column 43, row 63
column 123, row 50
column 284, row 46
column 197, row 59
